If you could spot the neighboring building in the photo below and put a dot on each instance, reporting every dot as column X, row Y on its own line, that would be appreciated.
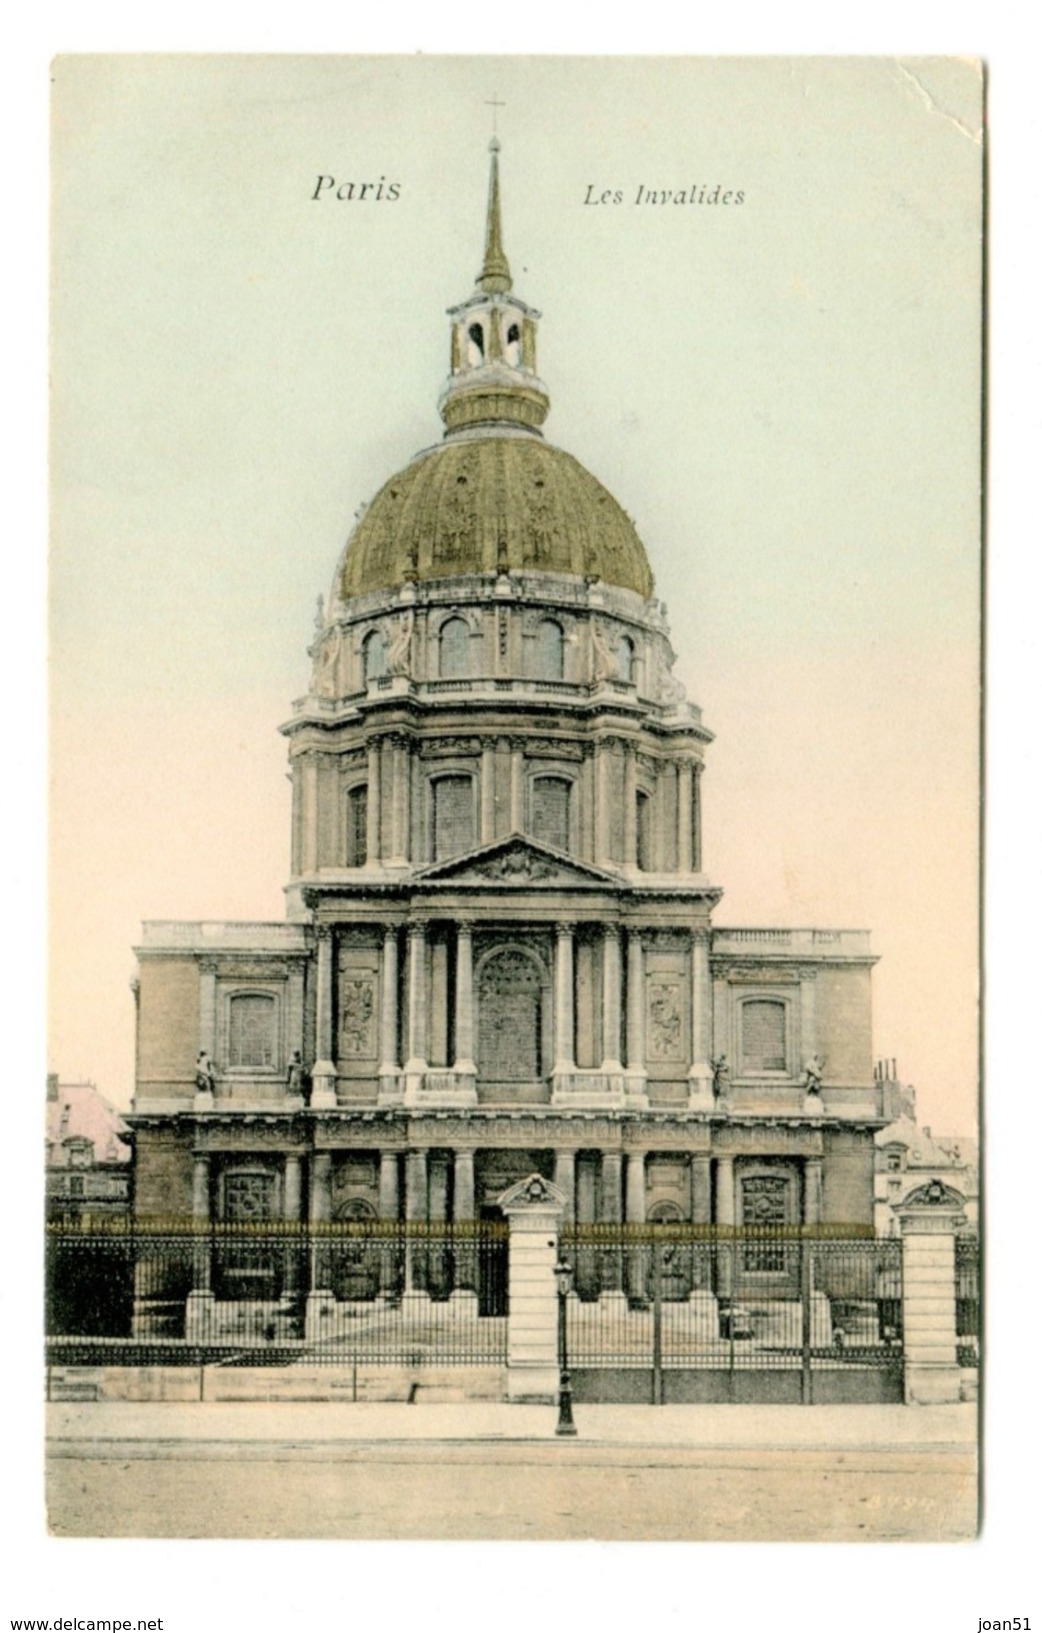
column 908, row 1157
column 499, row 954
column 88, row 1152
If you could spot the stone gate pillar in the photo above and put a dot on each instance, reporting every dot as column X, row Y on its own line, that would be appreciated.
column 533, row 1209
column 929, row 1217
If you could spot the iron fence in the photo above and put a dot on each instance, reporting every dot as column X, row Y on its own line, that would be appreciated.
column 372, row 1292
column 687, row 1299
column 967, row 1300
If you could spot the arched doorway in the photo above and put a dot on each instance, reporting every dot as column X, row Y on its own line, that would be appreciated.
column 513, row 1013
column 355, row 1263
column 675, row 1267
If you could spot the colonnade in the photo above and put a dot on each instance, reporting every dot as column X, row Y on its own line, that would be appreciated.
column 416, row 1044
column 623, row 1187
column 396, row 827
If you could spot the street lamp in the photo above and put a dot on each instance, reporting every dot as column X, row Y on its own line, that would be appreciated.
column 563, row 1278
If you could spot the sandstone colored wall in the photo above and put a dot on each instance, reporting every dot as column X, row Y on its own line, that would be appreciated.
column 168, row 1029
column 163, row 1175
column 848, row 1177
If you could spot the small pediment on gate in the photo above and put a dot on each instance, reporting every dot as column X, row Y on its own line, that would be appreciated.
column 935, row 1194
column 515, row 861
column 533, row 1192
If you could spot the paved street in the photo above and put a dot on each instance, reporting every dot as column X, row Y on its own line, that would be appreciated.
column 491, row 1472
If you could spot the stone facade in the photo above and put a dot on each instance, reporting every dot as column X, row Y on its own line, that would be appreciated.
column 499, row 958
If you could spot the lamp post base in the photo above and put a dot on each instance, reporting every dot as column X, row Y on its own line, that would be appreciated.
column 565, row 1421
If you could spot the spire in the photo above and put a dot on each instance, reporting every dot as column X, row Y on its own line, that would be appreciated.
column 494, row 277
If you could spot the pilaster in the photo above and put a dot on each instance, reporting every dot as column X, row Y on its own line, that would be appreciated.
column 700, row 1077
column 323, row 1073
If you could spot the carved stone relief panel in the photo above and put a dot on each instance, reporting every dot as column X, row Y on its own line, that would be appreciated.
column 358, row 1017
column 665, row 1027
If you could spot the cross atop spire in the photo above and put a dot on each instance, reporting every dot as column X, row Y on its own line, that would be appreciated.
column 494, row 277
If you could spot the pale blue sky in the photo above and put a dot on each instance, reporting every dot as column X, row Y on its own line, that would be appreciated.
column 785, row 396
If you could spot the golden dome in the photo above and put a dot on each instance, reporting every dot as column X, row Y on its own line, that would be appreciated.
column 489, row 504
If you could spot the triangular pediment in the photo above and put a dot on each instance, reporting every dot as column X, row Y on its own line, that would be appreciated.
column 515, row 861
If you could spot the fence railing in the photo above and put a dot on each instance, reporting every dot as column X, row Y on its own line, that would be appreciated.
column 967, row 1300
column 688, row 1297
column 354, row 1292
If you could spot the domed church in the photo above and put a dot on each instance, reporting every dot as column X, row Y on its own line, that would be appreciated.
column 499, row 957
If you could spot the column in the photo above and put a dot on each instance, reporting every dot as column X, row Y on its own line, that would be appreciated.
column 602, row 801
column 564, row 1179
column 636, row 1266
column 611, row 1186
column 465, row 998
column 309, row 792
column 201, row 1187
column 488, row 789
column 390, row 1270
column 372, row 811
column 724, row 1215
column 564, row 1000
column 611, row 1211
column 701, row 1189
column 199, row 1305
column 701, row 1073
column 416, row 1064
column 725, row 1193
column 696, row 820
column 611, row 1000
column 635, row 1003
column 321, row 1304
column 400, row 766
column 465, row 1249
column 292, row 1196
column 463, row 1185
column 323, row 1073
column 388, row 1196
column 635, row 1188
column 629, row 801
column 517, row 786
column 812, row 1192
column 416, row 1214
column 685, row 831
column 390, row 1087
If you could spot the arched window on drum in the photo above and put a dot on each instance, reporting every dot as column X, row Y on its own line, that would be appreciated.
column 454, row 649
column 626, row 656
column 548, row 650
column 374, row 656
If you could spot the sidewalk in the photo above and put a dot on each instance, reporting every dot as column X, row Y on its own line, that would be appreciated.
column 97, row 1426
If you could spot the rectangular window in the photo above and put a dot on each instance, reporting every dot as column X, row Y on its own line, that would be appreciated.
column 357, row 827
column 763, row 1036
column 644, row 832
column 550, row 807
column 251, row 1031
column 453, row 816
